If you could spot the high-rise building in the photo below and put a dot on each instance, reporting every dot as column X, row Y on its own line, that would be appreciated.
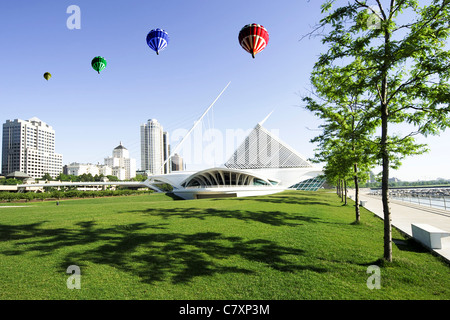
column 28, row 146
column 166, row 155
column 122, row 165
column 177, row 162
column 154, row 147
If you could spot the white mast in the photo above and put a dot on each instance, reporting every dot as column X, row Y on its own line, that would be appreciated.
column 262, row 122
column 195, row 124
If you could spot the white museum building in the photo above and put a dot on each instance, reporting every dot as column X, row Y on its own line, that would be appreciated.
column 261, row 165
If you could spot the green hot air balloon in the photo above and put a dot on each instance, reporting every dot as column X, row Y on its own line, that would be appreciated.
column 47, row 75
column 98, row 63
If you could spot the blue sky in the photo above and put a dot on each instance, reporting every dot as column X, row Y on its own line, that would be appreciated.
column 92, row 113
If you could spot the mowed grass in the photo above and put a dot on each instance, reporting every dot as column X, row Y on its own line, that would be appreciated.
column 291, row 245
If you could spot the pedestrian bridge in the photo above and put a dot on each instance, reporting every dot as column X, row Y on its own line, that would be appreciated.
column 56, row 184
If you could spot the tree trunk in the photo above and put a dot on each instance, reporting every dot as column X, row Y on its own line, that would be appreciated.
column 339, row 187
column 345, row 190
column 355, row 173
column 385, row 186
column 384, row 150
column 355, row 177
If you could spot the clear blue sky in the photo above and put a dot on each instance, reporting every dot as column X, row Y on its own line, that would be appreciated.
column 92, row 113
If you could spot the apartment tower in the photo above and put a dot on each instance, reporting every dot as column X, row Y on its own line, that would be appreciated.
column 154, row 147
column 28, row 146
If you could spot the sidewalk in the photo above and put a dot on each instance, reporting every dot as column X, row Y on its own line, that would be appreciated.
column 403, row 214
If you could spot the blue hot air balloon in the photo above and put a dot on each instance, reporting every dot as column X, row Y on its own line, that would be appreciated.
column 157, row 39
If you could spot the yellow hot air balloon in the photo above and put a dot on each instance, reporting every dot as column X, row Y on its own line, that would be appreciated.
column 47, row 75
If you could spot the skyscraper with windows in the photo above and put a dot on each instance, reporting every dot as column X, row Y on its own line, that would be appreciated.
column 177, row 163
column 154, row 147
column 28, row 146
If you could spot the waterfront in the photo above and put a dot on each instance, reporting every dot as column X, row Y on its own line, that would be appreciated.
column 435, row 197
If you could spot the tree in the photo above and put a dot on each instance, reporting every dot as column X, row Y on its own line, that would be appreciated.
column 343, row 161
column 47, row 176
column 99, row 177
column 337, row 170
column 139, row 177
column 345, row 143
column 10, row 181
column 63, row 177
column 112, row 178
column 397, row 49
column 86, row 177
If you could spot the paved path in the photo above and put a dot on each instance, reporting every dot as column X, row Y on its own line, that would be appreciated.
column 14, row 206
column 403, row 214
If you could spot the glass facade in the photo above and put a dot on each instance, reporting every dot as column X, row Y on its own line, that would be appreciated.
column 221, row 178
column 262, row 150
column 312, row 184
column 11, row 159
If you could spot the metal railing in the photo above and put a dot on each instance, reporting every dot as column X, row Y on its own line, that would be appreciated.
column 427, row 198
column 442, row 202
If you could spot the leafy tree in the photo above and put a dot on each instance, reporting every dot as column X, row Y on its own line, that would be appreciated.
column 345, row 144
column 86, row 177
column 47, row 176
column 112, row 178
column 139, row 177
column 10, row 181
column 63, row 177
column 397, row 49
column 99, row 177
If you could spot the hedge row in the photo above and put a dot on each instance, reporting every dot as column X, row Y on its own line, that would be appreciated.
column 28, row 196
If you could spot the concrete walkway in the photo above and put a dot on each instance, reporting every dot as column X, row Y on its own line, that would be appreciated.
column 403, row 214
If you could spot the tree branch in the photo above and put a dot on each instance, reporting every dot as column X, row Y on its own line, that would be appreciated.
column 382, row 10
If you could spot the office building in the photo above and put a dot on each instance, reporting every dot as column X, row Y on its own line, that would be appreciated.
column 28, row 146
column 154, row 148
column 123, row 167
column 177, row 162
column 78, row 169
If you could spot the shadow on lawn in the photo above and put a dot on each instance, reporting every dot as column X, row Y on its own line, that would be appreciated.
column 150, row 252
column 274, row 218
column 284, row 199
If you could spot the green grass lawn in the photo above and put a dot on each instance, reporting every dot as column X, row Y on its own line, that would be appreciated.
column 291, row 245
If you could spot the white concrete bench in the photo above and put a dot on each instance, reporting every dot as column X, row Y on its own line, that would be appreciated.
column 362, row 203
column 428, row 235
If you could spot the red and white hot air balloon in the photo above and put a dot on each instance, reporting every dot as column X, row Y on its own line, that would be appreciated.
column 253, row 38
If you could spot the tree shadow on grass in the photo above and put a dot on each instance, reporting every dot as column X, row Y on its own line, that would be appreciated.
column 150, row 251
column 274, row 218
column 23, row 231
column 285, row 199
